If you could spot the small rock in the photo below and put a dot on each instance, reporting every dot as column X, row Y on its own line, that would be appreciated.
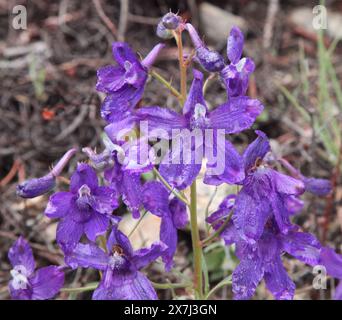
column 217, row 22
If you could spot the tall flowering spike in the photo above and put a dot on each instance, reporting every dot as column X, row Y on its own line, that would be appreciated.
column 86, row 209
column 28, row 284
column 120, row 265
column 235, row 76
column 173, row 214
column 125, row 82
column 210, row 60
column 35, row 187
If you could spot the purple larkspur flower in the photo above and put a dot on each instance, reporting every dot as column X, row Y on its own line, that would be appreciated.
column 28, row 283
column 333, row 264
column 262, row 259
column 265, row 193
column 173, row 216
column 236, row 75
column 232, row 117
column 210, row 60
column 85, row 209
column 121, row 279
column 38, row 186
column 124, row 83
column 124, row 175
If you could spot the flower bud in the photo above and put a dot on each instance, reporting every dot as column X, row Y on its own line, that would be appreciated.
column 163, row 32
column 171, row 21
column 35, row 187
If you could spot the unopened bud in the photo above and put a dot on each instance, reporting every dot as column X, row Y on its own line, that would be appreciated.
column 171, row 21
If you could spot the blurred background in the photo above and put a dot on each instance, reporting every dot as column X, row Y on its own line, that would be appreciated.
column 48, row 104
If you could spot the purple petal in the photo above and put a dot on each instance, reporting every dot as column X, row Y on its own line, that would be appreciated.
column 281, row 214
column 338, row 292
column 319, row 187
column 178, row 213
column 195, row 95
column 246, row 278
column 287, row 185
column 235, row 45
column 132, row 192
column 245, row 66
column 250, row 216
column 105, row 200
column 20, row 254
column 256, row 150
column 69, row 232
column 19, row 294
column 278, row 281
column 59, row 205
column 122, row 52
column 126, row 287
column 161, row 121
column 96, row 225
column 116, row 237
column 231, row 163
column 294, row 204
column 87, row 256
column 143, row 257
column 236, row 115
column 84, row 174
column 168, row 235
column 110, row 79
column 46, row 283
column 224, row 209
column 303, row 246
column 156, row 198
column 332, row 262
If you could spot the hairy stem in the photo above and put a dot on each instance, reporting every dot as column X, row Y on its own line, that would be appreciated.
column 182, row 65
column 166, row 83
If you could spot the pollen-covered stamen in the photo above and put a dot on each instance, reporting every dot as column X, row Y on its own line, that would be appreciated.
column 199, row 119
column 19, row 275
column 84, row 198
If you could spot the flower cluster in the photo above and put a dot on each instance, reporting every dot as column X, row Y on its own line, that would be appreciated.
column 257, row 220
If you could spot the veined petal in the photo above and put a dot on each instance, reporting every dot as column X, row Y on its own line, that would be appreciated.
column 87, row 256
column 105, row 200
column 156, row 198
column 20, row 254
column 69, row 233
column 59, row 204
column 235, row 43
column 46, row 283
column 168, row 235
column 281, row 213
column 84, row 175
column 287, row 185
column 122, row 52
column 278, row 281
column 332, row 261
column 143, row 257
column 96, row 225
column 132, row 192
column 178, row 213
column 236, row 115
column 110, row 79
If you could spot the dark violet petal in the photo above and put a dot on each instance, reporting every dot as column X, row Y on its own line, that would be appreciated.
column 87, row 256
column 338, row 292
column 59, row 204
column 278, row 281
column 69, row 233
column 19, row 294
column 143, row 257
column 96, row 226
column 161, row 119
column 293, row 204
column 256, row 150
column 84, row 175
column 303, row 246
column 126, row 287
column 235, row 45
column 132, row 193
column 20, row 254
column 105, row 200
column 156, row 198
column 46, row 283
column 122, row 53
column 110, row 79
column 195, row 95
column 250, row 216
column 178, row 213
column 245, row 66
column 318, row 187
column 235, row 116
column 35, row 187
column 118, row 129
column 281, row 214
column 229, row 233
column 116, row 237
column 224, row 209
column 168, row 235
column 332, row 262
column 246, row 278
column 210, row 60
column 287, row 185
column 228, row 162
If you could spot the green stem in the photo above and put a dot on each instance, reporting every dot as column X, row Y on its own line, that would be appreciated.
column 137, row 224
column 81, row 289
column 218, row 231
column 173, row 190
column 196, row 244
column 221, row 284
column 166, row 83
column 165, row 286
